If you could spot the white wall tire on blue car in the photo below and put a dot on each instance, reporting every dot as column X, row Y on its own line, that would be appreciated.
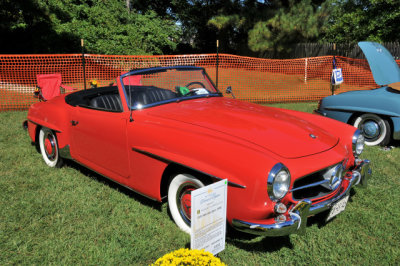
column 179, row 199
column 49, row 148
column 375, row 129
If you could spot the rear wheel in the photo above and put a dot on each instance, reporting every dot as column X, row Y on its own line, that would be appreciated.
column 49, row 148
column 180, row 200
column 375, row 129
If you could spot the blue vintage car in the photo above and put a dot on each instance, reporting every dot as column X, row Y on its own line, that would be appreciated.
column 375, row 112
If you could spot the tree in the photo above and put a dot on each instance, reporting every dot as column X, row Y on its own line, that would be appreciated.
column 246, row 27
column 26, row 28
column 299, row 21
column 108, row 27
column 359, row 20
column 237, row 18
column 200, row 20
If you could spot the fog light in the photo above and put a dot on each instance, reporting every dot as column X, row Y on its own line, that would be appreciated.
column 280, row 218
column 280, row 208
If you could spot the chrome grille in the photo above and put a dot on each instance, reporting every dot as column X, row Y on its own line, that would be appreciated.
column 318, row 184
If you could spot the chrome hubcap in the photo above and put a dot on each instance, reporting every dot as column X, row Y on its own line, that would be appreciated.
column 370, row 129
column 50, row 146
column 184, row 200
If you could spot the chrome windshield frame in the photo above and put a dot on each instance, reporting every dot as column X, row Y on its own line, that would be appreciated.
column 133, row 107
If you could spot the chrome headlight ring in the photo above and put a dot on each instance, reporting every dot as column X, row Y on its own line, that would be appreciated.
column 278, row 182
column 358, row 143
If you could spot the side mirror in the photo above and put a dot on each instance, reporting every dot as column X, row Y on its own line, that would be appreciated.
column 229, row 91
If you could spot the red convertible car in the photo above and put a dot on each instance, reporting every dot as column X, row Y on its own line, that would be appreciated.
column 163, row 132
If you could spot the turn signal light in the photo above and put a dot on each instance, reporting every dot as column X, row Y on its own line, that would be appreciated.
column 280, row 208
column 280, row 218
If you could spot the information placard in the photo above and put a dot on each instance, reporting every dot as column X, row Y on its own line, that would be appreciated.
column 337, row 76
column 208, row 217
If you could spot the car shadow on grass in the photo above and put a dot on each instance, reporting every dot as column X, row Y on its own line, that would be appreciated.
column 114, row 185
column 392, row 145
column 253, row 243
column 320, row 219
column 256, row 243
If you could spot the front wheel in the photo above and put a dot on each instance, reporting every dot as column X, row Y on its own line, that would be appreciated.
column 180, row 200
column 375, row 129
column 49, row 148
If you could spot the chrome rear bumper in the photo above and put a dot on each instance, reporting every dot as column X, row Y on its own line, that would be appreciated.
column 298, row 215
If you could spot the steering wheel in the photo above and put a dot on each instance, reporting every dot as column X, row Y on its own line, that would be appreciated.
column 193, row 83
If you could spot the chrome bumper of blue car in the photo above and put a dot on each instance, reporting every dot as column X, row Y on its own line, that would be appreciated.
column 298, row 215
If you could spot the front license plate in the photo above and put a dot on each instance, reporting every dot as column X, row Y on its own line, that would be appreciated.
column 337, row 208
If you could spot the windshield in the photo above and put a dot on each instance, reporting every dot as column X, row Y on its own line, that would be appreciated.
column 154, row 86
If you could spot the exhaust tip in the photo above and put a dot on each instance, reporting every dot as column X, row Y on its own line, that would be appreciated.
column 25, row 125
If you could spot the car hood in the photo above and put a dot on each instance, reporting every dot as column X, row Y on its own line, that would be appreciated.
column 384, row 68
column 286, row 135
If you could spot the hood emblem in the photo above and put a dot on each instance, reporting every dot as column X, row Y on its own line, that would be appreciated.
column 313, row 136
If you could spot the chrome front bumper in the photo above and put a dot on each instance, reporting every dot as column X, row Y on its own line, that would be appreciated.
column 298, row 214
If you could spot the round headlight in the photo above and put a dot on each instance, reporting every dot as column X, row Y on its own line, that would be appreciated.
column 358, row 143
column 278, row 182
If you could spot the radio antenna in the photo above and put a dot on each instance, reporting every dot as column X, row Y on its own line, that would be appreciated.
column 83, row 65
column 216, row 72
column 130, row 100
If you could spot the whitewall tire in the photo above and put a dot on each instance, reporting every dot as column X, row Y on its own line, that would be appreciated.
column 375, row 129
column 49, row 147
column 179, row 199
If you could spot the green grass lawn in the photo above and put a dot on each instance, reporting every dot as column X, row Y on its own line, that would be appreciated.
column 73, row 216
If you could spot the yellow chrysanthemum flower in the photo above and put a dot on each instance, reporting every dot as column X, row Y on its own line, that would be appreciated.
column 187, row 257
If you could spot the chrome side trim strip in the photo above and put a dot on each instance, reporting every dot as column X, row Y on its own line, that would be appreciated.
column 33, row 122
column 157, row 157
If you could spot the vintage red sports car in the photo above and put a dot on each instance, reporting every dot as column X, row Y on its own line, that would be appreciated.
column 163, row 132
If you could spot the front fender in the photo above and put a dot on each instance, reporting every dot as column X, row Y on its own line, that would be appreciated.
column 383, row 101
column 196, row 165
column 361, row 109
column 212, row 153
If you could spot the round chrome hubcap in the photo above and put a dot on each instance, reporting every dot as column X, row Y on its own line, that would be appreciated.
column 371, row 129
column 50, row 146
column 184, row 200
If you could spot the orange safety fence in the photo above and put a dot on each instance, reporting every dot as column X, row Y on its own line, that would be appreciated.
column 252, row 79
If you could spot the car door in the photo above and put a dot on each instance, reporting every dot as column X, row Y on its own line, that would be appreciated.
column 99, row 141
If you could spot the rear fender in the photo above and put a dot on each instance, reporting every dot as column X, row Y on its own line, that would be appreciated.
column 53, row 115
column 32, row 130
